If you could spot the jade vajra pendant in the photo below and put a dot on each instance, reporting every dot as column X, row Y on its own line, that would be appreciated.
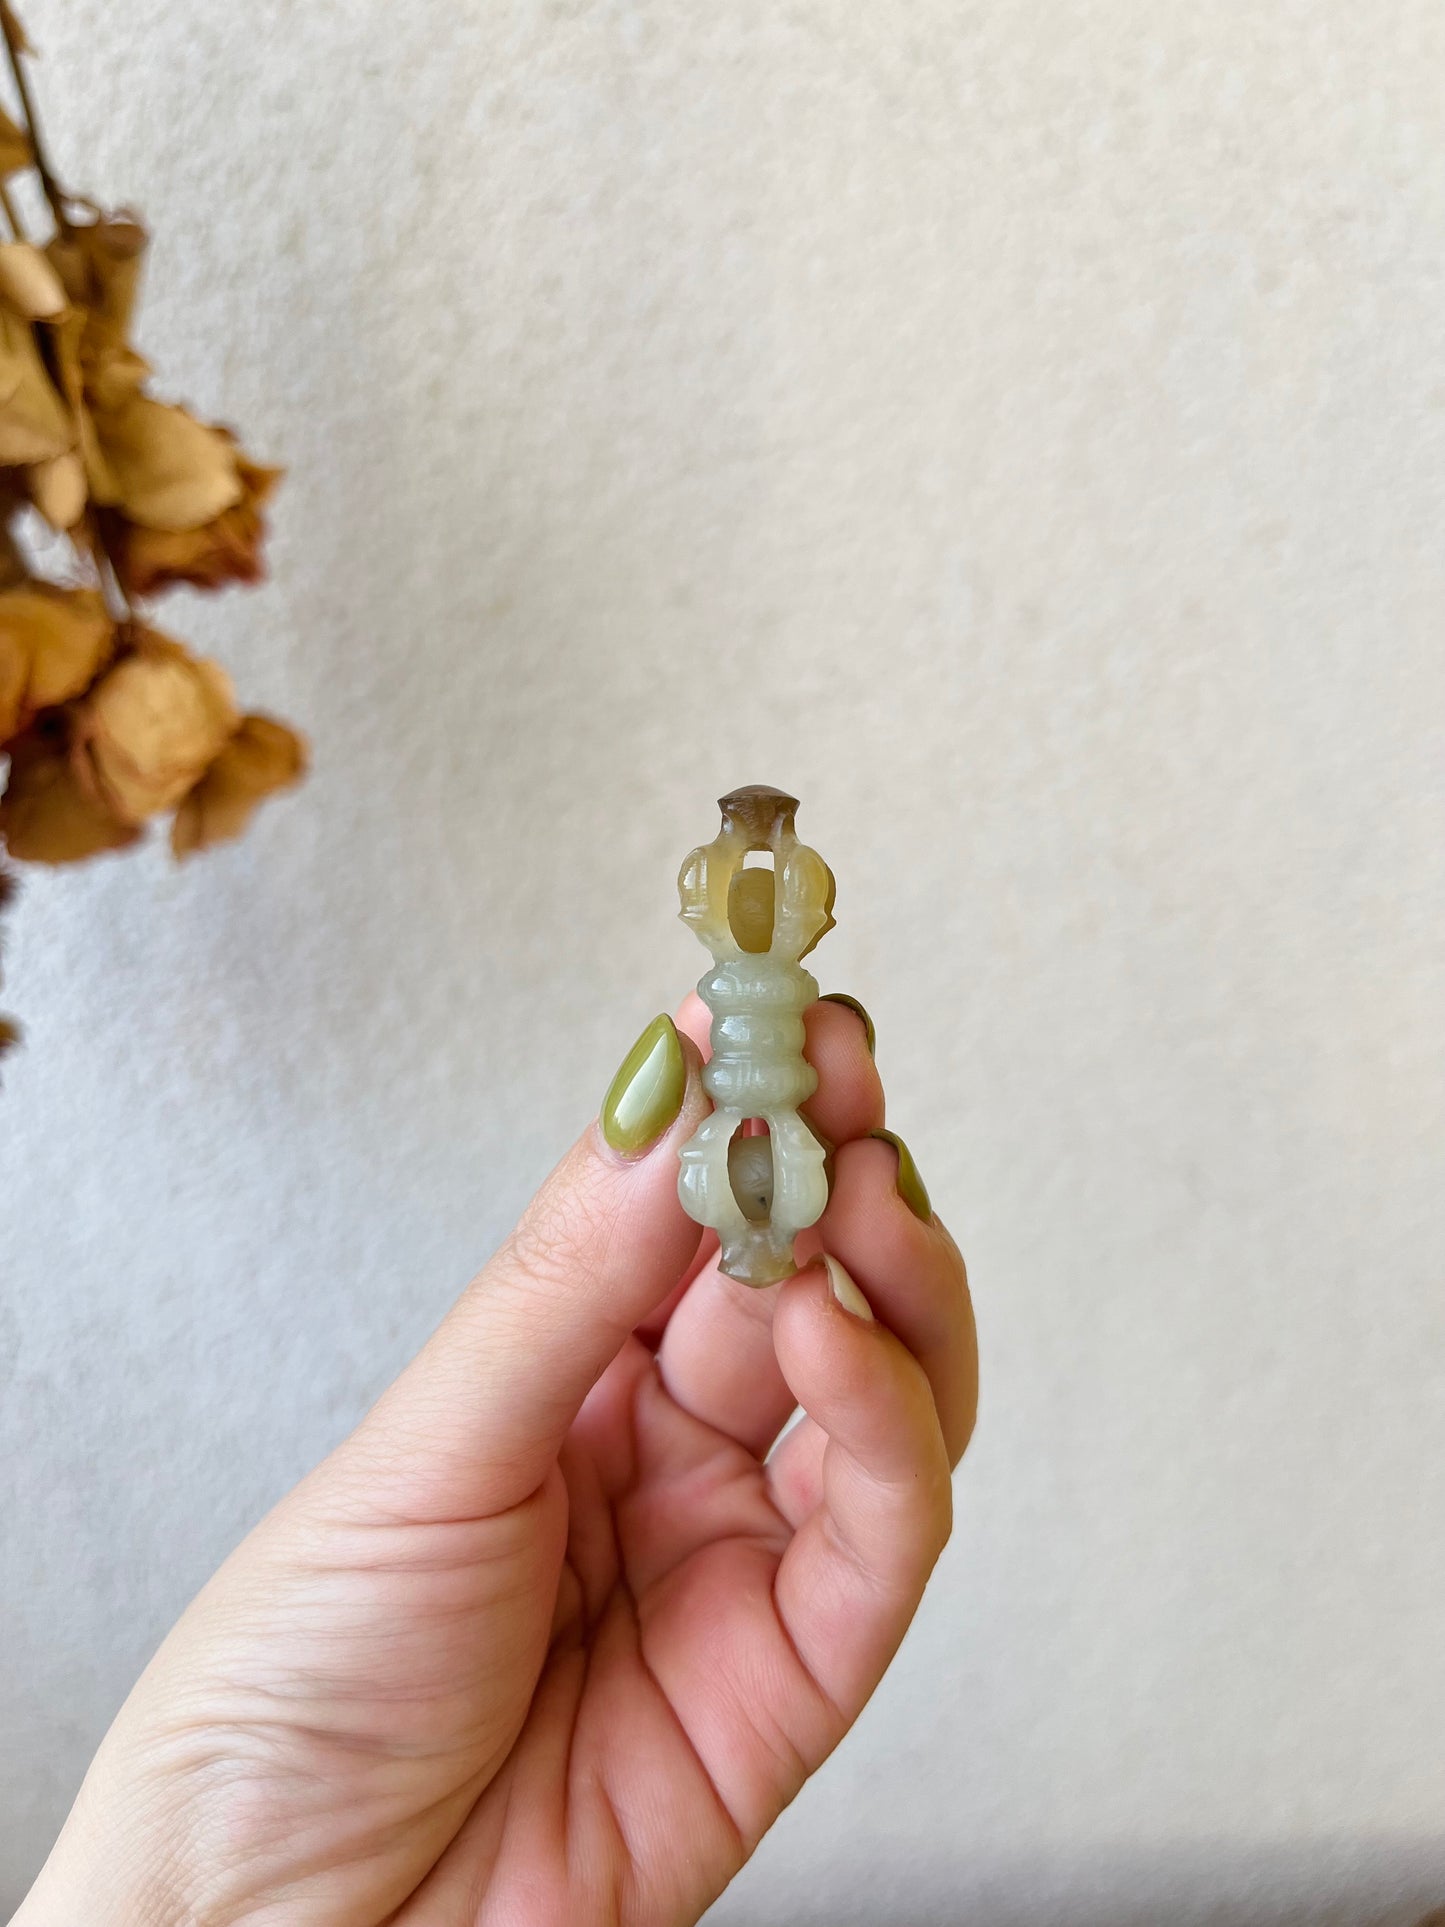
column 757, row 1191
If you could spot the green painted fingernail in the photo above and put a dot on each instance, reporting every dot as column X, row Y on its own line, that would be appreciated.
column 842, row 997
column 647, row 1092
column 911, row 1188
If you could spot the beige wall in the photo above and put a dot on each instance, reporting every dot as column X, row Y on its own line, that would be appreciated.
column 1018, row 428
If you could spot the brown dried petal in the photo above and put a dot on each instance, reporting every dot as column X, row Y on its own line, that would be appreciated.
column 113, row 375
column 151, row 725
column 262, row 757
column 171, row 471
column 59, row 488
column 52, row 642
column 227, row 549
column 45, row 815
column 34, row 424
column 29, row 283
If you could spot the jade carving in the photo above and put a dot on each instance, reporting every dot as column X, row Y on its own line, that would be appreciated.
column 756, row 1191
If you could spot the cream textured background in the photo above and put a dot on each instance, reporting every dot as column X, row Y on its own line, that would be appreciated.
column 1021, row 430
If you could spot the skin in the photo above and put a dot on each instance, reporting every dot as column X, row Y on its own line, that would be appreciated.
column 551, row 1637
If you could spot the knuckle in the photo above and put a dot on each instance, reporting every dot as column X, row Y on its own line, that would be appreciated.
column 558, row 1237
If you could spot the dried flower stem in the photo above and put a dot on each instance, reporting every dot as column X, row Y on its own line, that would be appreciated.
column 54, row 193
column 116, row 595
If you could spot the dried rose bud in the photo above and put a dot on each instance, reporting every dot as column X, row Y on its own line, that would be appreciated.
column 225, row 549
column 169, row 470
column 151, row 726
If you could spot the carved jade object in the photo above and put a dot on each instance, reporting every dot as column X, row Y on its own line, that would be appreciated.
column 757, row 1192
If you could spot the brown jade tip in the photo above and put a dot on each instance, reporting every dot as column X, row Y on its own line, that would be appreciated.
column 757, row 809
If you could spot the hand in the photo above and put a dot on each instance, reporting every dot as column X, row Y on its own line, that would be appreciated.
column 553, row 1638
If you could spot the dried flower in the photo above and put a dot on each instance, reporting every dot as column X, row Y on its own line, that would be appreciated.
column 227, row 548
column 98, row 263
column 52, row 642
column 149, row 459
column 107, row 723
column 46, row 816
column 151, row 726
column 263, row 756
column 165, row 470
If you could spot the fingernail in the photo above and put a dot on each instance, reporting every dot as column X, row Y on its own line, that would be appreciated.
column 852, row 1003
column 647, row 1092
column 911, row 1188
column 846, row 1292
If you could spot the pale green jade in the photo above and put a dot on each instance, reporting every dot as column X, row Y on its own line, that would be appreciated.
column 757, row 1192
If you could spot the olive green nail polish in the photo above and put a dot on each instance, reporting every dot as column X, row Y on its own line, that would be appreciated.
column 842, row 997
column 647, row 1092
column 911, row 1188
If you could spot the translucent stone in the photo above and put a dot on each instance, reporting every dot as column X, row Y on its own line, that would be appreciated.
column 757, row 1191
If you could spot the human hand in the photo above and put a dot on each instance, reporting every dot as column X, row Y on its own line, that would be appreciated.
column 553, row 1637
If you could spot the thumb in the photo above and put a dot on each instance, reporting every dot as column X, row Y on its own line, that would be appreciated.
column 473, row 1424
